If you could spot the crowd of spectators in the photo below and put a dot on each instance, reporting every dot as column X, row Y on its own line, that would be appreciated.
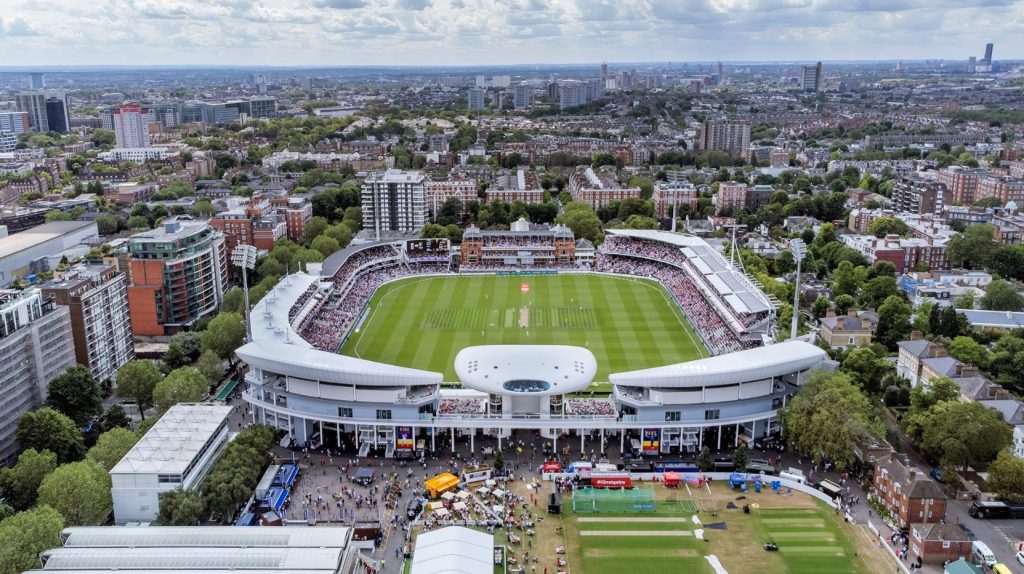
column 643, row 248
column 502, row 266
column 701, row 313
column 589, row 407
column 361, row 258
column 294, row 310
column 456, row 406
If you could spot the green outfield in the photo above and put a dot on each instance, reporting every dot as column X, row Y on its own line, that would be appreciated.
column 424, row 322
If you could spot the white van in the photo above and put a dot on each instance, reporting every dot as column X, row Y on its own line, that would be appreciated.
column 983, row 554
column 797, row 478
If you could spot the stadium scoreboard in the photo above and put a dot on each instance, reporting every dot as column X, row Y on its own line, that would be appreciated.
column 440, row 246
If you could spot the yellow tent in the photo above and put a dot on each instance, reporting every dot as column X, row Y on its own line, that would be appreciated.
column 441, row 483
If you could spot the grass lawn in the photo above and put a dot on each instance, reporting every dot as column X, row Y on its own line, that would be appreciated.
column 424, row 322
column 811, row 538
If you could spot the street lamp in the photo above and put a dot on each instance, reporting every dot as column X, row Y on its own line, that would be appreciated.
column 799, row 249
column 244, row 256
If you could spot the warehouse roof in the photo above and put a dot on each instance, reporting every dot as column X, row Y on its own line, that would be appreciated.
column 175, row 440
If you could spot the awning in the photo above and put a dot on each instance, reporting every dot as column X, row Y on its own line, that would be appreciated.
column 275, row 498
column 286, row 476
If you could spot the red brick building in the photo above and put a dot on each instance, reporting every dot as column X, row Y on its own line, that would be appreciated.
column 586, row 186
column 909, row 494
column 937, row 543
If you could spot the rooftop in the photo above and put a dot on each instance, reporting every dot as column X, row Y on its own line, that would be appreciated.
column 453, row 550
column 1001, row 319
column 174, row 441
column 203, row 536
column 40, row 234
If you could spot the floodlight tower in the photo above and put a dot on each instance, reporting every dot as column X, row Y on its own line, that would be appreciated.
column 799, row 249
column 244, row 256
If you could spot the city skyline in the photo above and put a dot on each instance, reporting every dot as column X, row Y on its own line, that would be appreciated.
column 340, row 33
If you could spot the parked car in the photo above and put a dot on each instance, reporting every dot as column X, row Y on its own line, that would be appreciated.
column 413, row 509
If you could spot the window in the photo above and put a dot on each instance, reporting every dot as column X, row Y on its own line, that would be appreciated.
column 672, row 416
column 384, row 414
column 945, row 544
column 711, row 415
column 345, row 412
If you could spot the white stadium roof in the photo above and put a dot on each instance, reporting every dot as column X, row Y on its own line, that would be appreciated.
column 712, row 265
column 453, row 550
column 277, row 347
column 203, row 537
column 174, row 441
column 526, row 369
column 180, row 559
column 741, row 366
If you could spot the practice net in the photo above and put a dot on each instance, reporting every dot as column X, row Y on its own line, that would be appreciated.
column 594, row 500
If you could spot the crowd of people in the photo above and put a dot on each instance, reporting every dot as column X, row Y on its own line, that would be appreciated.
column 358, row 259
column 454, row 406
column 589, row 407
column 499, row 265
column 701, row 313
column 294, row 310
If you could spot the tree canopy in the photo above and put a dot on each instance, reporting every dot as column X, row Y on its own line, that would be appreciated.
column 76, row 394
column 136, row 381
column 25, row 535
column 80, row 491
column 111, row 447
column 963, row 434
column 19, row 484
column 47, row 429
column 182, row 385
column 224, row 334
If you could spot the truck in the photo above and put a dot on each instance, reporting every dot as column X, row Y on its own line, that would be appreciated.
column 996, row 509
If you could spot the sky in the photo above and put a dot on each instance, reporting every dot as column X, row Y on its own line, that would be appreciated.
column 481, row 32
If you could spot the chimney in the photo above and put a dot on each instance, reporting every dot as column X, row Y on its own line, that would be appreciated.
column 916, row 335
column 851, row 312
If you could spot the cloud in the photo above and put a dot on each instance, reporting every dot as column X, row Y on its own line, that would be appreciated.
column 340, row 4
column 416, row 5
column 18, row 26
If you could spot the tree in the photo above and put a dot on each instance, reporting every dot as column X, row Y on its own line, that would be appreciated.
column 923, row 398
column 19, row 484
column 893, row 321
column 828, row 417
column 974, row 248
column 881, row 268
column 181, row 508
column 211, row 366
column 80, row 491
column 965, row 301
column 1008, row 262
column 183, row 385
column 313, row 228
column 641, row 222
column 107, row 224
column 57, row 215
column 76, row 394
column 25, row 535
column 846, row 279
column 225, row 333
column 705, row 461
column 582, row 220
column 136, row 381
column 1006, row 476
column 191, row 343
column 820, row 308
column 237, row 471
column 964, row 434
column 878, row 290
column 114, row 418
column 111, row 447
column 969, row 351
column 1001, row 295
column 47, row 429
column 325, row 244
column 175, row 356
column 844, row 303
column 866, row 369
column 885, row 225
column 741, row 457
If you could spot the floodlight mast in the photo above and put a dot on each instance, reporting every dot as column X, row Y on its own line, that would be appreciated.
column 244, row 256
column 799, row 249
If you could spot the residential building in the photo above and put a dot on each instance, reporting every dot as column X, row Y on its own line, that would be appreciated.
column 8, row 141
column 35, row 346
column 810, row 78
column 476, row 98
column 27, row 252
column 521, row 96
column 130, row 127
column 909, row 494
column 129, row 193
column 855, row 329
column 1004, row 189
column 919, row 196
column 33, row 104
column 962, row 182
column 730, row 137
column 598, row 190
column 255, row 223
column 912, row 353
column 176, row 453
column 134, row 154
column 730, row 195
column 778, row 157
column 939, row 543
column 573, row 93
column 97, row 298
column 1018, row 441
column 262, row 107
column 178, row 275
column 438, row 192
column 519, row 185
column 904, row 254
column 394, row 201
column 36, row 81
column 501, row 81
column 15, row 122
column 58, row 115
column 994, row 322
column 668, row 196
